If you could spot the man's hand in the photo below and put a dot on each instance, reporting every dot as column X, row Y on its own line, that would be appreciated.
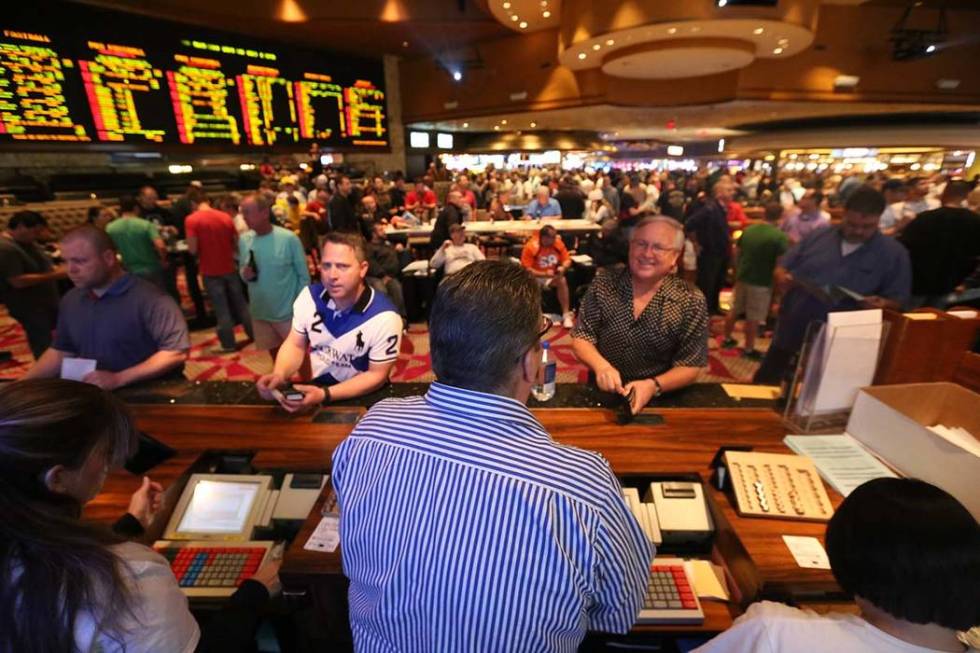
column 876, row 302
column 248, row 273
column 447, row 244
column 644, row 390
column 268, row 575
column 146, row 502
column 103, row 379
column 312, row 396
column 784, row 282
column 267, row 383
column 609, row 380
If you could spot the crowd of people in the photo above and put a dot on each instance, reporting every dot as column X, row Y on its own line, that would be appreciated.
column 309, row 265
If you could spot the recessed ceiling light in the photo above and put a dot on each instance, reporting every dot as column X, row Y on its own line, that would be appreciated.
column 777, row 51
column 404, row 44
column 496, row 128
column 533, row 125
column 506, row 5
column 544, row 3
column 722, row 3
column 672, row 30
column 784, row 41
column 930, row 49
column 503, row 122
column 610, row 42
column 514, row 18
column 546, row 14
column 596, row 47
column 582, row 55
column 457, row 75
column 695, row 29
column 758, row 30
column 523, row 24
column 465, row 125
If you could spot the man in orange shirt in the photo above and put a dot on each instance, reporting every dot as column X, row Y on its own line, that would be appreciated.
column 547, row 259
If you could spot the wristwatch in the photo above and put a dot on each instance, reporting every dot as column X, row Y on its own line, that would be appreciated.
column 660, row 388
column 326, row 394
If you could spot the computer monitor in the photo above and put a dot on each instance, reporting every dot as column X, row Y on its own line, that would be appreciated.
column 219, row 507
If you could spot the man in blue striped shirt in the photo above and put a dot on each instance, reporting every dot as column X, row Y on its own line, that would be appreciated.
column 464, row 526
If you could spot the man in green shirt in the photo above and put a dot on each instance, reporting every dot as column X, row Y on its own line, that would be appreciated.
column 139, row 243
column 757, row 251
column 272, row 262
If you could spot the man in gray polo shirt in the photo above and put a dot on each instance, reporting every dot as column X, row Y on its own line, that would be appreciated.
column 129, row 327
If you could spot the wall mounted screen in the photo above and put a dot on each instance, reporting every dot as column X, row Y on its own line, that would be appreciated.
column 70, row 73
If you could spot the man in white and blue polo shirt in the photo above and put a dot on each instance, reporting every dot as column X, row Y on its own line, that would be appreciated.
column 352, row 332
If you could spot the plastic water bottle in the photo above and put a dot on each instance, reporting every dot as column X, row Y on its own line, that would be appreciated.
column 544, row 389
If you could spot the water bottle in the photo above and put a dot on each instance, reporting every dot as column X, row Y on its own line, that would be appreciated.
column 544, row 389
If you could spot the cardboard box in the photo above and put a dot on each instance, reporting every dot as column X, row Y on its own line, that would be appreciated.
column 891, row 421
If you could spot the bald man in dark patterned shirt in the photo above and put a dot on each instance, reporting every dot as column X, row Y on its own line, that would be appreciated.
column 642, row 328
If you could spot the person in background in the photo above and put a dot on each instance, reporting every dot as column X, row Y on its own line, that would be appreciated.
column 943, row 246
column 384, row 268
column 571, row 199
column 100, row 216
column 397, row 195
column 599, row 210
column 421, row 201
column 455, row 254
column 708, row 226
column 470, row 439
column 543, row 205
column 806, row 217
column 498, row 207
column 469, row 198
column 894, row 192
column 642, row 328
column 853, row 255
column 382, row 196
column 370, row 214
column 211, row 236
column 909, row 554
column 451, row 213
column 672, row 201
column 547, row 259
column 351, row 332
column 608, row 247
column 128, row 326
column 139, row 243
column 897, row 216
column 973, row 200
column 28, row 280
column 170, row 222
column 341, row 208
column 757, row 251
column 271, row 261
column 68, row 585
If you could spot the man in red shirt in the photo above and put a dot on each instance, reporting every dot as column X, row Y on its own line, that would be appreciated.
column 464, row 188
column 548, row 260
column 420, row 202
column 212, row 237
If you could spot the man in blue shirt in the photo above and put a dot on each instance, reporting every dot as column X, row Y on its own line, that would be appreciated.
column 854, row 257
column 464, row 526
column 543, row 206
column 131, row 328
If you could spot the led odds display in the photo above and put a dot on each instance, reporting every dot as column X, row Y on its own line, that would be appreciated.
column 70, row 73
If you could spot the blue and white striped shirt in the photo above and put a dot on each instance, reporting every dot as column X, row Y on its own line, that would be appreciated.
column 465, row 527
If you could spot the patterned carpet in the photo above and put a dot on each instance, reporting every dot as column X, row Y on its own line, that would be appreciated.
column 206, row 364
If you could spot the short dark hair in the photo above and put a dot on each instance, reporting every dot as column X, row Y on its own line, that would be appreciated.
column 773, row 211
column 26, row 218
column 547, row 230
column 352, row 240
column 483, row 319
column 96, row 237
column 893, row 184
column 909, row 548
column 956, row 190
column 128, row 204
column 866, row 201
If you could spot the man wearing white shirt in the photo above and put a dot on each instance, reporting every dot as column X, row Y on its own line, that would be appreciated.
column 456, row 253
column 897, row 216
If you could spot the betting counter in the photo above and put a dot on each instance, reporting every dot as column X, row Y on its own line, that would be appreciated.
column 209, row 424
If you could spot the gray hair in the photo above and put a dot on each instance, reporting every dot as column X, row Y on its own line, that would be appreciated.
column 670, row 222
column 483, row 320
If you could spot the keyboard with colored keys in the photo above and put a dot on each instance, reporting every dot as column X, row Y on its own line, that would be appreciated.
column 204, row 569
column 670, row 597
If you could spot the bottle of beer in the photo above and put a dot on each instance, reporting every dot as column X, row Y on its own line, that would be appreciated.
column 251, row 264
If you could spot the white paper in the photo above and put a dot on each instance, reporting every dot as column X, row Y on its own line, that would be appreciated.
column 326, row 537
column 807, row 551
column 850, row 356
column 709, row 579
column 582, row 259
column 958, row 436
column 416, row 266
column 841, row 460
column 75, row 369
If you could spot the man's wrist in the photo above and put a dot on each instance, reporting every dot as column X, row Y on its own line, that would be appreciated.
column 658, row 389
column 326, row 395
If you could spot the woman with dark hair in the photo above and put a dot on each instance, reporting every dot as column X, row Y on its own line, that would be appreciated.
column 100, row 216
column 66, row 585
column 908, row 553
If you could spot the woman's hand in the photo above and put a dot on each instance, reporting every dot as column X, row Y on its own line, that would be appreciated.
column 146, row 502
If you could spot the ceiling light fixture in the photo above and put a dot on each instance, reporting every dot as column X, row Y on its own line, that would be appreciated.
column 457, row 75
column 533, row 125
column 695, row 29
column 722, row 3
column 404, row 44
column 523, row 24
column 496, row 128
column 758, row 30
column 544, row 3
column 503, row 121
column 930, row 49
column 672, row 30
column 506, row 5
column 466, row 125
column 610, row 42
column 596, row 47
column 777, row 51
column 546, row 14
column 582, row 55
column 514, row 18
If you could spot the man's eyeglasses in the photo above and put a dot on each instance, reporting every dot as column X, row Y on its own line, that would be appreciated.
column 643, row 246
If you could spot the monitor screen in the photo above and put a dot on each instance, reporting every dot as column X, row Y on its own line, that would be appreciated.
column 75, row 74
column 218, row 507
